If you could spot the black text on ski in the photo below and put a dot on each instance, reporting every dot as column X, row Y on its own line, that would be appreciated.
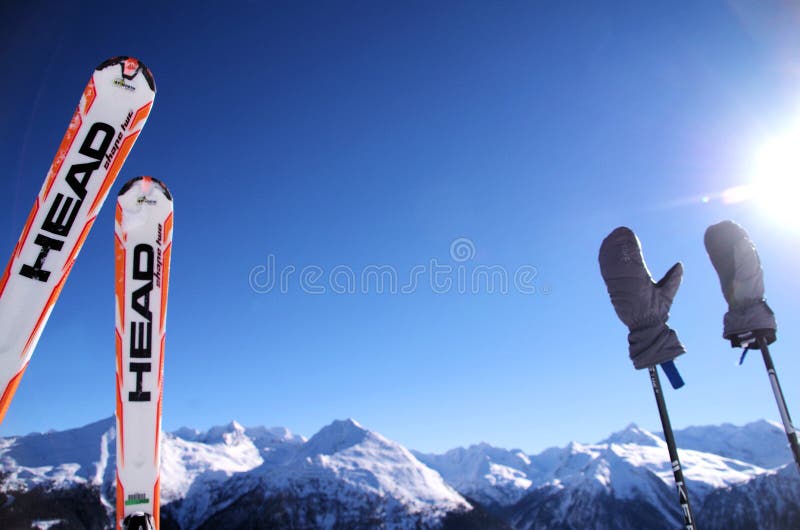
column 114, row 148
column 142, row 319
column 64, row 209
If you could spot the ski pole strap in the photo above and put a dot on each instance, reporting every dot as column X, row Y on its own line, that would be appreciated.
column 672, row 373
column 744, row 352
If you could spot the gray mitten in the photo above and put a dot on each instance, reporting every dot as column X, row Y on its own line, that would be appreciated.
column 735, row 258
column 642, row 304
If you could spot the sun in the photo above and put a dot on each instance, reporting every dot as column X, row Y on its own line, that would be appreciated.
column 776, row 178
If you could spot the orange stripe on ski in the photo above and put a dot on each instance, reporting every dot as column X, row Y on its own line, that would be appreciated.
column 6, row 274
column 161, row 369
column 158, row 433
column 118, row 346
column 119, row 284
column 89, row 95
column 66, row 144
column 120, row 505
column 118, row 214
column 8, row 393
column 160, row 387
column 157, row 504
column 165, row 286
column 140, row 115
column 168, row 228
column 120, row 424
column 47, row 307
column 79, row 243
column 124, row 149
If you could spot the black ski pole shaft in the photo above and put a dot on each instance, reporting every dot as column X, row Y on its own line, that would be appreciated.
column 776, row 389
column 683, row 493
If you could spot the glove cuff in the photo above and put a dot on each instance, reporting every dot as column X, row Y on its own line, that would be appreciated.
column 751, row 318
column 652, row 345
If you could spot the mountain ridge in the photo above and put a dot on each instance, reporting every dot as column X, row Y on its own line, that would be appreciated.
column 347, row 476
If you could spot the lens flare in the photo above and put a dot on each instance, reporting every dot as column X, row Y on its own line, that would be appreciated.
column 776, row 178
column 738, row 194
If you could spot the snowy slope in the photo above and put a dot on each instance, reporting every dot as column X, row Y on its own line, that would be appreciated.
column 617, row 464
column 345, row 475
column 743, row 506
column 58, row 459
column 762, row 443
column 704, row 471
column 352, row 454
column 194, row 464
column 488, row 474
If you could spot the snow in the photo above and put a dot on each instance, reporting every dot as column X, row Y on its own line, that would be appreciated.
column 344, row 460
column 622, row 464
column 350, row 454
column 501, row 476
column 195, row 463
column 632, row 434
column 184, row 462
column 46, row 524
column 354, row 466
column 59, row 459
column 703, row 471
column 497, row 475
column 762, row 443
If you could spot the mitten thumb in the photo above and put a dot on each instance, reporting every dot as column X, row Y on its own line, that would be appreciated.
column 667, row 287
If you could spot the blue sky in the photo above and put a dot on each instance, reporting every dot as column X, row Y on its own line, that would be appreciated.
column 363, row 133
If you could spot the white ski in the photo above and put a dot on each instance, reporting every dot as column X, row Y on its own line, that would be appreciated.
column 142, row 250
column 110, row 115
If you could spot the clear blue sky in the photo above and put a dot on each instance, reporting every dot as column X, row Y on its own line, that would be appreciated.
column 376, row 133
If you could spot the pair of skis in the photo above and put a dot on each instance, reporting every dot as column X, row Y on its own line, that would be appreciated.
column 111, row 113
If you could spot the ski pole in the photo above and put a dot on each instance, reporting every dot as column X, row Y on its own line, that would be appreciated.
column 776, row 389
column 683, row 493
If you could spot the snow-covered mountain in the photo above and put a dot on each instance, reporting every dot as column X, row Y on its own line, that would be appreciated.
column 762, row 443
column 708, row 454
column 488, row 474
column 231, row 476
column 626, row 480
column 196, row 464
column 745, row 502
column 347, row 476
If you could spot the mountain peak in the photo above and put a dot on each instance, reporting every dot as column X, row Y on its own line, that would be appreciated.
column 335, row 437
column 227, row 434
column 349, row 423
column 633, row 434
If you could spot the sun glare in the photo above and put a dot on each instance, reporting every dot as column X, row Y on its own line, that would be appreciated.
column 776, row 178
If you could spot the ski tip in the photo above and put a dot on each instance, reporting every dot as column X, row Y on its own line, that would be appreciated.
column 130, row 66
column 146, row 184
